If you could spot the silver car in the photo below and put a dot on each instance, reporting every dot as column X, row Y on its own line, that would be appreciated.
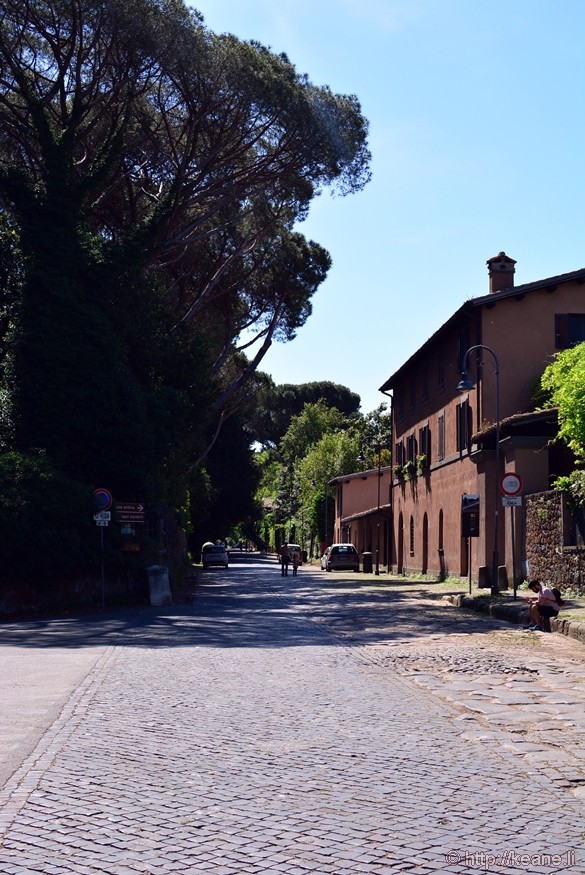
column 342, row 557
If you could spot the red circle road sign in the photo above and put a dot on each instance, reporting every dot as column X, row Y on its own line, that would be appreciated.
column 511, row 484
column 103, row 499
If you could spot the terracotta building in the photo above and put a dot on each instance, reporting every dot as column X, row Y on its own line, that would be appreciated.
column 362, row 513
column 463, row 417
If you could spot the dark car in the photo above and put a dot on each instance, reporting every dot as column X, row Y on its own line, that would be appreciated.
column 343, row 557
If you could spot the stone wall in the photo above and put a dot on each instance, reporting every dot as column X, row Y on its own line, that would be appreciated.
column 551, row 553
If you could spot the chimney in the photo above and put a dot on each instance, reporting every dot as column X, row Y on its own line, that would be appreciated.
column 501, row 271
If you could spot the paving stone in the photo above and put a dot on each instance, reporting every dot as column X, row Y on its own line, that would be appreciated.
column 246, row 732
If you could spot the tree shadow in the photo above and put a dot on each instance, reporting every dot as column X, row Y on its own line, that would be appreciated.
column 252, row 605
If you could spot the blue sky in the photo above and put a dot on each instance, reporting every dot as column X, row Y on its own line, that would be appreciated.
column 477, row 131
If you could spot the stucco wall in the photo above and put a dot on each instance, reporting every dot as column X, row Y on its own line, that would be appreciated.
column 521, row 329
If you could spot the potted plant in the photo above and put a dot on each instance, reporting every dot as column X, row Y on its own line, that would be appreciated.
column 398, row 472
column 421, row 464
column 408, row 469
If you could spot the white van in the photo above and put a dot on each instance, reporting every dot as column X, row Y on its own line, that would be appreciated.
column 214, row 554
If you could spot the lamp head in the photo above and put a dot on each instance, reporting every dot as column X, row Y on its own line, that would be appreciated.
column 465, row 384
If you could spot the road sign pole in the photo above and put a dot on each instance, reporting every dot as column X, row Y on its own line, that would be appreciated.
column 103, row 500
column 513, row 552
column 511, row 487
column 469, row 560
column 102, row 568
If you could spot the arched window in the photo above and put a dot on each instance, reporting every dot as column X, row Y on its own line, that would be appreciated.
column 411, row 537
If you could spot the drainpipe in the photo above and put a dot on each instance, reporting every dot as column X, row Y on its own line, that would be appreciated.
column 390, row 545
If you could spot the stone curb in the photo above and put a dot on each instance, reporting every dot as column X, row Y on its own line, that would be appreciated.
column 516, row 614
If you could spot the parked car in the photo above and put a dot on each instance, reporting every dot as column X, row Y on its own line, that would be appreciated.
column 295, row 549
column 342, row 557
column 214, row 554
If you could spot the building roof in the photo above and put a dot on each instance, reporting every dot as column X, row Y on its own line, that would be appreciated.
column 539, row 423
column 359, row 475
column 490, row 299
column 364, row 513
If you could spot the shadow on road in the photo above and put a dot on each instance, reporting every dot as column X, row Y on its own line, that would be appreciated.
column 252, row 605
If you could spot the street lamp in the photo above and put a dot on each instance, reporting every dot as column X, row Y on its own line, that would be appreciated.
column 362, row 460
column 326, row 513
column 326, row 491
column 378, row 512
column 465, row 385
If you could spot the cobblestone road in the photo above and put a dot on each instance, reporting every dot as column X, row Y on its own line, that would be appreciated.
column 286, row 726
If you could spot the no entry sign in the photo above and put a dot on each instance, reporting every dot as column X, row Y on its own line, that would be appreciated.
column 511, row 484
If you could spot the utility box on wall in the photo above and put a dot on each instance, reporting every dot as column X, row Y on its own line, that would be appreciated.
column 469, row 516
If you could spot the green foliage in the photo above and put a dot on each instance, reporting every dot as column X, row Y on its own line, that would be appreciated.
column 286, row 501
column 408, row 469
column 10, row 300
column 335, row 454
column 321, row 443
column 564, row 379
column 573, row 486
column 373, row 431
column 46, row 520
column 269, row 470
column 308, row 428
column 151, row 174
column 278, row 406
column 540, row 397
column 231, row 481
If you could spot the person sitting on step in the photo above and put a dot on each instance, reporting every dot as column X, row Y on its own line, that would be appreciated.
column 542, row 607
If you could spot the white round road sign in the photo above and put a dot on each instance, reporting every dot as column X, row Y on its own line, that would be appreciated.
column 511, row 484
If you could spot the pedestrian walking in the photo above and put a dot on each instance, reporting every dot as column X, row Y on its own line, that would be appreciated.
column 296, row 561
column 285, row 557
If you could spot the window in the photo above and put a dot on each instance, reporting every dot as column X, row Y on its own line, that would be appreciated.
column 399, row 401
column 399, row 453
column 424, row 442
column 441, row 435
column 463, row 425
column 462, row 347
column 412, row 402
column 411, row 537
column 569, row 329
column 441, row 372
column 424, row 388
column 344, row 550
column 411, row 449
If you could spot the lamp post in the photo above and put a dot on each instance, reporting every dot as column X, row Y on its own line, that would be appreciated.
column 465, row 385
column 325, row 490
column 326, row 513
column 362, row 460
column 378, row 511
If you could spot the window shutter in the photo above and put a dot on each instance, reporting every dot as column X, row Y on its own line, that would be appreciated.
column 561, row 331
